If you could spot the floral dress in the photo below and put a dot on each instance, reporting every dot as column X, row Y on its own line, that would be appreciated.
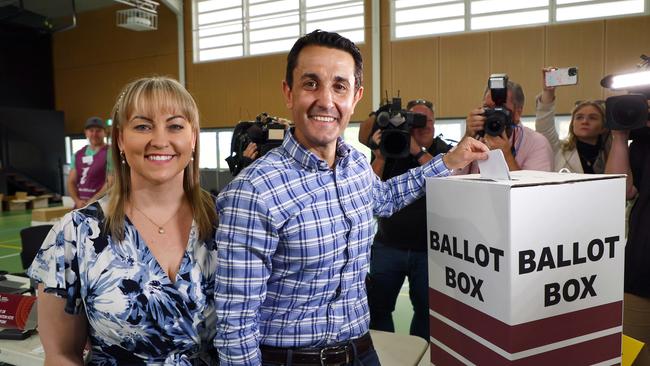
column 136, row 314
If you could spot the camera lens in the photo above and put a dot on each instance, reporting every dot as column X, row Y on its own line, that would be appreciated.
column 395, row 143
column 573, row 71
column 626, row 112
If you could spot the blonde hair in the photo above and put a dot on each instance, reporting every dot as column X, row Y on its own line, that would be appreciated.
column 570, row 142
column 155, row 94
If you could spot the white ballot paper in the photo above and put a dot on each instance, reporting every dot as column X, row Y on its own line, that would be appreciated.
column 494, row 167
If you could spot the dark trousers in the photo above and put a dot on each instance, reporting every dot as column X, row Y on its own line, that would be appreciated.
column 388, row 268
column 369, row 358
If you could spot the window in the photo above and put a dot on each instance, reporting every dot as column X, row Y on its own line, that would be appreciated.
column 234, row 28
column 412, row 18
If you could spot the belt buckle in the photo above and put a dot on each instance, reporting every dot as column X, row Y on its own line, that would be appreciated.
column 323, row 356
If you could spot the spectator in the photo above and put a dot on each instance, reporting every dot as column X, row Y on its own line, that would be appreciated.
column 585, row 149
column 523, row 148
column 635, row 162
column 397, row 254
column 140, row 288
column 89, row 172
column 295, row 226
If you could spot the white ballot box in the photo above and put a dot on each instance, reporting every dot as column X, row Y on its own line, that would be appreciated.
column 527, row 271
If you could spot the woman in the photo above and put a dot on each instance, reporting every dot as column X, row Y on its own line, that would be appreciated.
column 134, row 272
column 585, row 149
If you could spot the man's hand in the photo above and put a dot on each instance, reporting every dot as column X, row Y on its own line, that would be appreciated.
column 467, row 150
column 498, row 142
column 376, row 139
column 251, row 151
column 475, row 122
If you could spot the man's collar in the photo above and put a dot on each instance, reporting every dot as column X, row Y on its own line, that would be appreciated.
column 306, row 158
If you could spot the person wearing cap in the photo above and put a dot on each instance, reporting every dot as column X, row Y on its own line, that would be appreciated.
column 397, row 253
column 89, row 170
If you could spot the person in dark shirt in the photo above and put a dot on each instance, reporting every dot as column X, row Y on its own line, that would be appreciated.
column 634, row 160
column 398, row 253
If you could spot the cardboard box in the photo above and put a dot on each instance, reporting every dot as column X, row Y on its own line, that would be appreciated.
column 38, row 202
column 49, row 214
column 18, row 205
column 527, row 271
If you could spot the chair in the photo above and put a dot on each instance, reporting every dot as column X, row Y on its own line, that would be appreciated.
column 32, row 238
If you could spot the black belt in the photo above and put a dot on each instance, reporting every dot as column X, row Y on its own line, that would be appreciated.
column 336, row 354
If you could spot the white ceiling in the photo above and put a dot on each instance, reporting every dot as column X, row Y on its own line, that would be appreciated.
column 61, row 8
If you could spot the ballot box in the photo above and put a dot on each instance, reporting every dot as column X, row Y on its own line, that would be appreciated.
column 527, row 271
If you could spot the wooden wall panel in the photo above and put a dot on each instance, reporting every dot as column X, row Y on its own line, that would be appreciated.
column 93, row 61
column 464, row 68
column 232, row 90
column 581, row 45
column 421, row 55
column 625, row 40
column 520, row 54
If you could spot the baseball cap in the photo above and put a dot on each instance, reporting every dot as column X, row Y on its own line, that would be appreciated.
column 94, row 122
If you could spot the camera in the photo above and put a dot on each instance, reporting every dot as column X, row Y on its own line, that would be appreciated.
column 629, row 112
column 396, row 124
column 497, row 119
column 267, row 132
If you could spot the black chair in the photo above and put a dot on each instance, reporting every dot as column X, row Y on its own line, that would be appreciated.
column 32, row 238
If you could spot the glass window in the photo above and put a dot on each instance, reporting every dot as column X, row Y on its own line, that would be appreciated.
column 235, row 28
column 208, row 152
column 413, row 18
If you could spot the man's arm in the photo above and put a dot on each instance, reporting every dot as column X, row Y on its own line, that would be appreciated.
column 365, row 129
column 246, row 238
column 72, row 189
column 618, row 161
column 400, row 191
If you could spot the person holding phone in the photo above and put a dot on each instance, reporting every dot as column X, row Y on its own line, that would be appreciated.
column 585, row 149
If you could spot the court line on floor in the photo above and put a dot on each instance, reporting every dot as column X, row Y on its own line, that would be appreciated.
column 9, row 246
column 9, row 255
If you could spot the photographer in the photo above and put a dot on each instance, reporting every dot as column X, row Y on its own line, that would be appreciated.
column 523, row 148
column 635, row 162
column 243, row 147
column 397, row 253
column 585, row 149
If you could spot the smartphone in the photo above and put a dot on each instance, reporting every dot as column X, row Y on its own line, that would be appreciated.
column 561, row 76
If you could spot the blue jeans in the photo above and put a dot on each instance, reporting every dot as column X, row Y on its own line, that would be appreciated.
column 388, row 268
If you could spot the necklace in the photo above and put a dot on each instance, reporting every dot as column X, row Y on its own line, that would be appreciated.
column 161, row 229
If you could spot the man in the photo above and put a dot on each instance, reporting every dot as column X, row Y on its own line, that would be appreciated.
column 88, row 176
column 398, row 253
column 522, row 147
column 295, row 226
column 634, row 160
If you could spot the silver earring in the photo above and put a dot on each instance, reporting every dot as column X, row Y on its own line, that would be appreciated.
column 122, row 157
column 192, row 158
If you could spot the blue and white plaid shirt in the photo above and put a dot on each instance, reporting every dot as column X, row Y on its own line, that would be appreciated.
column 293, row 248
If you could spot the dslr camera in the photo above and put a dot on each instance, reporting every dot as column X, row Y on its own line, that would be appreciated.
column 497, row 119
column 265, row 131
column 630, row 111
column 396, row 124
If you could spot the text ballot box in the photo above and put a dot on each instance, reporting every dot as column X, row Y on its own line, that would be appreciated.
column 527, row 271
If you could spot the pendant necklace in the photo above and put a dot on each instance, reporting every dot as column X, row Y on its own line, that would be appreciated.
column 161, row 228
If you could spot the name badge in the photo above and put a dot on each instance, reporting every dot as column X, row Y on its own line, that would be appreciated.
column 87, row 160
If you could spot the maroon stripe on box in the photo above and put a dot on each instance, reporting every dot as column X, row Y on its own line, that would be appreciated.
column 584, row 353
column 442, row 358
column 520, row 337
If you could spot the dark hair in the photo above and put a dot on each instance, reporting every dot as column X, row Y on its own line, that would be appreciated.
column 325, row 39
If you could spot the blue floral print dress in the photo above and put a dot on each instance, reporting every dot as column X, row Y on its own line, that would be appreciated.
column 136, row 314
